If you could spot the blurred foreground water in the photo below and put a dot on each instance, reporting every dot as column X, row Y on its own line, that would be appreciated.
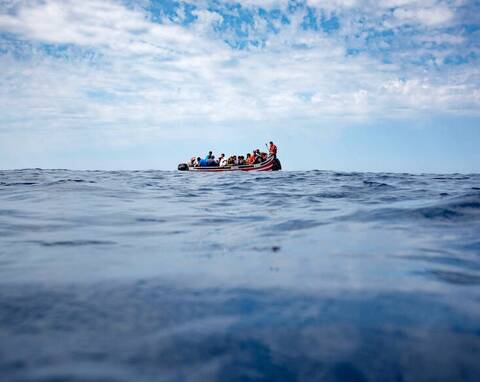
column 168, row 276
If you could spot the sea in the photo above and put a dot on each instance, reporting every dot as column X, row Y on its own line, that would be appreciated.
column 281, row 276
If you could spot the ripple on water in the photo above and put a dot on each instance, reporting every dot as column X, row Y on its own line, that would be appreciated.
column 302, row 276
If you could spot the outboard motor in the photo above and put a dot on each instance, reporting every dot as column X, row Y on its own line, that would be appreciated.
column 183, row 167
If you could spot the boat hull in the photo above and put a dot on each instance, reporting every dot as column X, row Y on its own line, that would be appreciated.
column 271, row 164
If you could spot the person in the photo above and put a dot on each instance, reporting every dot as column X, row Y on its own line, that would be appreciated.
column 222, row 161
column 272, row 150
column 256, row 157
column 202, row 162
column 251, row 158
column 209, row 156
column 241, row 160
column 263, row 156
column 212, row 162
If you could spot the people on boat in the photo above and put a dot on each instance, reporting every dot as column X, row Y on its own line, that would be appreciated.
column 255, row 157
column 202, row 162
column 212, row 162
column 232, row 160
column 258, row 156
column 222, row 161
column 272, row 150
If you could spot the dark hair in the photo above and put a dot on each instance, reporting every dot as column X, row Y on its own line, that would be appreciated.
column 271, row 142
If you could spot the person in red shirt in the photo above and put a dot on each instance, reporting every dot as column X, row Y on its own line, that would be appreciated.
column 272, row 149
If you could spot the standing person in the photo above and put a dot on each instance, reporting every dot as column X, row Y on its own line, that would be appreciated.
column 272, row 150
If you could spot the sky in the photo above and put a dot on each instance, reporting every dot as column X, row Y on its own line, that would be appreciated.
column 386, row 85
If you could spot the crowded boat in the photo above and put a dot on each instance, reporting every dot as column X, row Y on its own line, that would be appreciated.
column 256, row 160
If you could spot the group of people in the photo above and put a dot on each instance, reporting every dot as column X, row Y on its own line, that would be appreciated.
column 251, row 158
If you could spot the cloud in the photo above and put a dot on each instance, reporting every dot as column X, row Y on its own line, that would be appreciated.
column 439, row 15
column 105, row 64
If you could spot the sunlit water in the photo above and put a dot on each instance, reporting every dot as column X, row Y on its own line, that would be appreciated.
column 169, row 276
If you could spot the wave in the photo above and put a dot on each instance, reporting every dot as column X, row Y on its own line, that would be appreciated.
column 457, row 209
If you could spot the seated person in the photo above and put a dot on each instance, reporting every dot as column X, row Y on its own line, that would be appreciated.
column 231, row 161
column 241, row 161
column 264, row 156
column 250, row 158
column 222, row 161
column 212, row 162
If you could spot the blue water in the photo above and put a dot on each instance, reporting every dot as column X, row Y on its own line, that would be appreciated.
column 288, row 276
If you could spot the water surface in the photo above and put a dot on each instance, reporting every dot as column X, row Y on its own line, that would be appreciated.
column 170, row 276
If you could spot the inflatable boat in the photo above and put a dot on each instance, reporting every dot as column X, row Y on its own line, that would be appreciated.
column 271, row 164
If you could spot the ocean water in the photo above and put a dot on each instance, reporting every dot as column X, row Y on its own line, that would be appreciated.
column 287, row 276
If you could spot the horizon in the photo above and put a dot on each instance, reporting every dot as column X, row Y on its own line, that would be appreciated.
column 240, row 172
column 364, row 86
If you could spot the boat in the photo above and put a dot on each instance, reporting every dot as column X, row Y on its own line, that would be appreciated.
column 271, row 164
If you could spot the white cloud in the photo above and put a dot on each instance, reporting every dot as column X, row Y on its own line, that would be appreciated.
column 157, row 75
column 437, row 15
column 333, row 4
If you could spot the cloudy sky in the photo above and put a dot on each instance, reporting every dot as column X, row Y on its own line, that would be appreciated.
column 386, row 85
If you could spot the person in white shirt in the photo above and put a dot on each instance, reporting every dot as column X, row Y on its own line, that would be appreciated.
column 222, row 161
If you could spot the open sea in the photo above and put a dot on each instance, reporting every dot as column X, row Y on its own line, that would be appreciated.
column 286, row 276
